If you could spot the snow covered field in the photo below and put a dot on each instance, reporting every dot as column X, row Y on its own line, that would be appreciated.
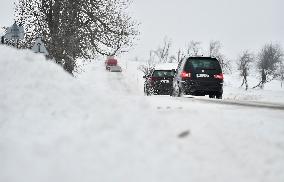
column 100, row 127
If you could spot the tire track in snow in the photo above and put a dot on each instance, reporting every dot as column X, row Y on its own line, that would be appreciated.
column 253, row 104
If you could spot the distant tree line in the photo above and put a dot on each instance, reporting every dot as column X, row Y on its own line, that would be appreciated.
column 163, row 54
column 77, row 29
column 268, row 61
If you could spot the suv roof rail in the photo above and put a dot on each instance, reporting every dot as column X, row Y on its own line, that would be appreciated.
column 197, row 55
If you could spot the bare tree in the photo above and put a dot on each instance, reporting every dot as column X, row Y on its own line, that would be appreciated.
column 178, row 57
column 77, row 29
column 281, row 73
column 244, row 64
column 269, row 58
column 149, row 65
column 194, row 48
column 214, row 48
column 163, row 52
column 215, row 51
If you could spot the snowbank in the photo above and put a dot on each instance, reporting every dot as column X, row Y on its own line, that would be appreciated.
column 272, row 92
column 56, row 128
column 100, row 127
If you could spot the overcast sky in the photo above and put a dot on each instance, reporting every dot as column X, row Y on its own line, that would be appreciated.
column 6, row 12
column 238, row 24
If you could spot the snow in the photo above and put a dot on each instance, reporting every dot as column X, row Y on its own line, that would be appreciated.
column 100, row 127
column 166, row 66
column 2, row 31
column 272, row 92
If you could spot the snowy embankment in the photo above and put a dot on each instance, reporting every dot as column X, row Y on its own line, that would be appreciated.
column 100, row 127
column 54, row 128
column 272, row 92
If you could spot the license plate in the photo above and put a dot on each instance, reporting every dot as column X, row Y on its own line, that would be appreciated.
column 202, row 75
column 165, row 81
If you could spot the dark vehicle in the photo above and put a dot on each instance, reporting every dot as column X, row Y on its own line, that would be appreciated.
column 160, row 82
column 199, row 76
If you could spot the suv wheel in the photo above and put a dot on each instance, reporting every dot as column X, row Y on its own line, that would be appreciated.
column 171, row 92
column 211, row 96
column 219, row 96
column 174, row 92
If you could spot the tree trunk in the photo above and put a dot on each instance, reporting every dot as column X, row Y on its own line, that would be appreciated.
column 243, row 81
column 69, row 64
column 263, row 79
column 246, row 82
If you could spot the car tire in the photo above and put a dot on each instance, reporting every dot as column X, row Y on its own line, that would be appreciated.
column 211, row 96
column 219, row 96
column 148, row 93
column 171, row 92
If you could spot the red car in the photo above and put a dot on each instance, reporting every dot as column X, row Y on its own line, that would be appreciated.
column 110, row 62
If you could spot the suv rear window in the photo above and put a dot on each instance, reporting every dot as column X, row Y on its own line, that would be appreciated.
column 163, row 73
column 202, row 63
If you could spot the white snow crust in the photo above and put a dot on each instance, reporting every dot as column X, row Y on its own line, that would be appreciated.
column 100, row 127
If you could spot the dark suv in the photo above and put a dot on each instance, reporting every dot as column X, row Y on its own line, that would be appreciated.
column 159, row 82
column 199, row 76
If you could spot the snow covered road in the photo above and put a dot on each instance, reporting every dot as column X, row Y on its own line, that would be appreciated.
column 226, row 141
column 254, row 104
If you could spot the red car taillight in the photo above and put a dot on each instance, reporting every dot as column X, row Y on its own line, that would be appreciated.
column 219, row 76
column 153, row 79
column 185, row 75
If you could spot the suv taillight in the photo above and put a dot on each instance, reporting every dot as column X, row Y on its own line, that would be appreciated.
column 219, row 76
column 185, row 75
